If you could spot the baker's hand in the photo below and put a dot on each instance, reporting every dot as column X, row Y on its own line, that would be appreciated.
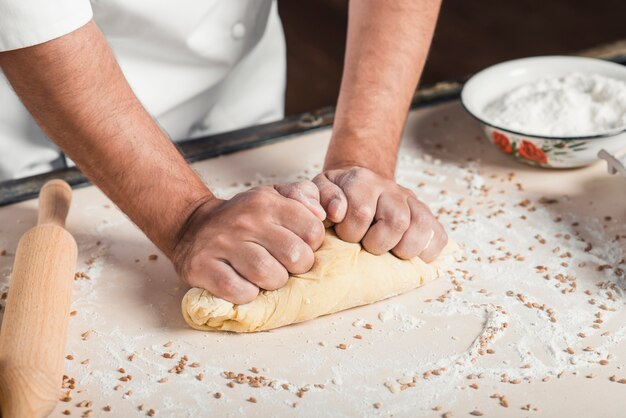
column 253, row 241
column 379, row 213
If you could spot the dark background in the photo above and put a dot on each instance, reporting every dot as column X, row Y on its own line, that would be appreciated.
column 470, row 35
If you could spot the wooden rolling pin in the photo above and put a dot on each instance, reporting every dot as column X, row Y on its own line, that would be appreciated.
column 34, row 326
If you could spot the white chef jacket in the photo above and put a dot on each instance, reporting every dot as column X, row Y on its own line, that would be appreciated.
column 198, row 66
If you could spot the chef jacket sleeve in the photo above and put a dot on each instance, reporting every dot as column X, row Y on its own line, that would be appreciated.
column 30, row 22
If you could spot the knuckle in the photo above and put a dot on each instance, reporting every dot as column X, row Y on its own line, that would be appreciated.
column 314, row 233
column 330, row 192
column 423, row 221
column 418, row 207
column 263, row 266
column 372, row 247
column 319, row 180
column 348, row 233
column 283, row 189
column 326, row 187
column 220, row 240
column 242, row 222
column 282, row 277
column 226, row 286
column 301, row 258
column 307, row 185
column 305, row 194
column 333, row 192
column 362, row 213
column 260, row 195
column 294, row 249
column 399, row 221
column 359, row 173
column 277, row 280
column 262, row 189
column 196, row 268
column 306, row 260
column 406, row 191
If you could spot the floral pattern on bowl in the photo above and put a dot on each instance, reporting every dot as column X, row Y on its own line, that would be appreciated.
column 531, row 152
column 553, row 152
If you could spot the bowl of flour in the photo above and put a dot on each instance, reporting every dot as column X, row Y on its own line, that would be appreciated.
column 553, row 111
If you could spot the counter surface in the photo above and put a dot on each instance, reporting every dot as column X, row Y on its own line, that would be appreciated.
column 532, row 308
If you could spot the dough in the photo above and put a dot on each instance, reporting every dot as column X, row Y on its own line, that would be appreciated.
column 343, row 276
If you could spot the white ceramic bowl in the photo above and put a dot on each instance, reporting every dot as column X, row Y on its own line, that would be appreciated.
column 556, row 152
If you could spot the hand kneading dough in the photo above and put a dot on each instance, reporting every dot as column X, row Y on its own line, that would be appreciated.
column 343, row 276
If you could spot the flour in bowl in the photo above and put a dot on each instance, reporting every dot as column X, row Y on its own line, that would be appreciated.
column 573, row 105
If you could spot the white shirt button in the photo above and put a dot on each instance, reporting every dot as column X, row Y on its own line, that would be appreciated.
column 238, row 30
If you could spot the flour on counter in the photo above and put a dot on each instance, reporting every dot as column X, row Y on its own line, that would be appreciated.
column 399, row 313
column 495, row 285
column 573, row 105
column 536, row 295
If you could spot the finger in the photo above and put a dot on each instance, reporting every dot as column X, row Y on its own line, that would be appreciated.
column 223, row 281
column 362, row 201
column 393, row 218
column 420, row 234
column 255, row 264
column 288, row 248
column 436, row 244
column 300, row 221
column 332, row 198
column 305, row 192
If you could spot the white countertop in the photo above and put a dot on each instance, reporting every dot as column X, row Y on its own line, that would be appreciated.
column 132, row 304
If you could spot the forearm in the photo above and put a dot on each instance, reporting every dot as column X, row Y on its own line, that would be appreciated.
column 386, row 50
column 76, row 92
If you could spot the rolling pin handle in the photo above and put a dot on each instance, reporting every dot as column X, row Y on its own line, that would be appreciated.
column 54, row 202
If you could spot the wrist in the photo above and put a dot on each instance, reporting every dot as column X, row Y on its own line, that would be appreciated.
column 189, row 216
column 386, row 171
column 346, row 151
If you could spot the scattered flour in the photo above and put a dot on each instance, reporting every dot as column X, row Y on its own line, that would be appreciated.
column 573, row 105
column 399, row 313
column 486, row 334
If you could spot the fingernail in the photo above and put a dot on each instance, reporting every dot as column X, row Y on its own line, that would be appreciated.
column 333, row 207
column 294, row 256
column 430, row 239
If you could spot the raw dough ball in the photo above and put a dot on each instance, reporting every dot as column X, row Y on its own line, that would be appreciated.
column 343, row 276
